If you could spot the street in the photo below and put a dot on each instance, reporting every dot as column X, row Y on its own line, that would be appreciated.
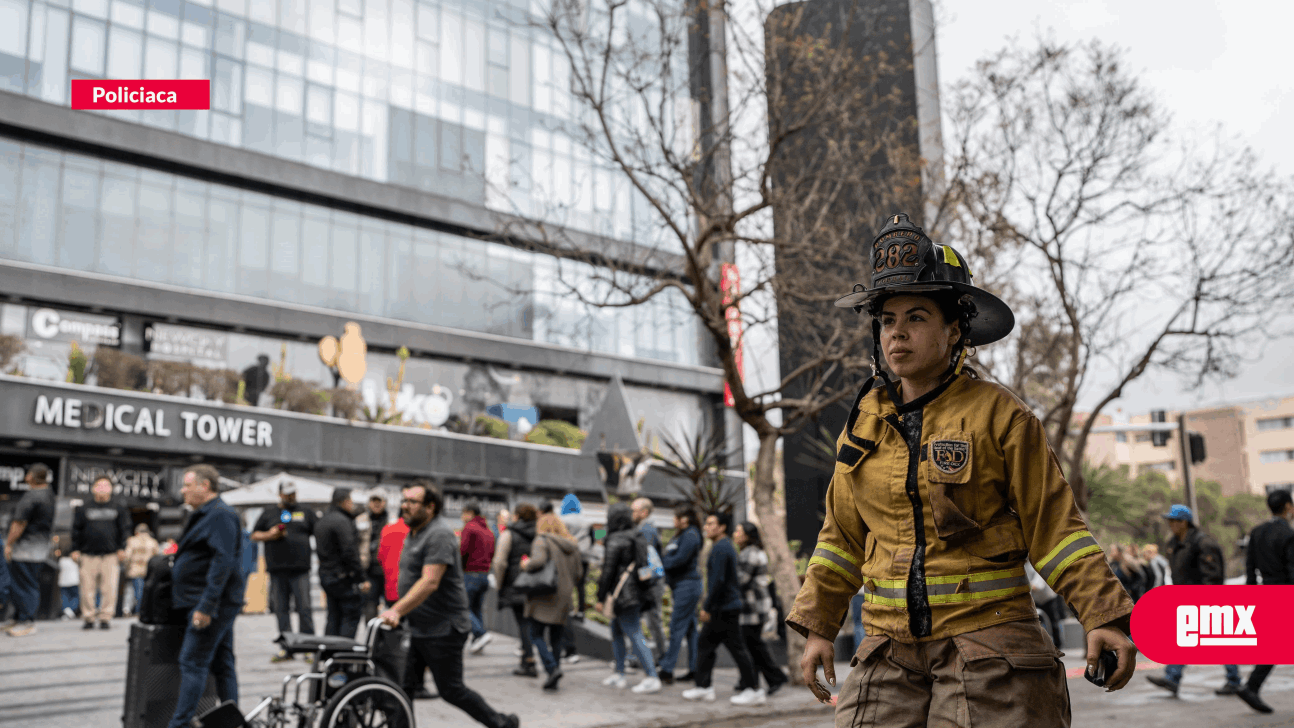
column 64, row 676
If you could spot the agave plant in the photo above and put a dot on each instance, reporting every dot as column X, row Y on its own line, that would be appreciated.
column 699, row 459
column 819, row 451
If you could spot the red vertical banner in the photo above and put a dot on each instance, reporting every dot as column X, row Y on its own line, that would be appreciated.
column 730, row 284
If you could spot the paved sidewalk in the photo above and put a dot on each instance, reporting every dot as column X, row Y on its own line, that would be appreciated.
column 64, row 676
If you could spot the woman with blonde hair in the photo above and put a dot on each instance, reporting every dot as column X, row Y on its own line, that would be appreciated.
column 553, row 544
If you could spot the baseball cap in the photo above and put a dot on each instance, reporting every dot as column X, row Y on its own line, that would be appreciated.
column 288, row 488
column 1178, row 512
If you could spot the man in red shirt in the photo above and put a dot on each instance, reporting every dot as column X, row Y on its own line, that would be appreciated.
column 388, row 555
column 477, row 546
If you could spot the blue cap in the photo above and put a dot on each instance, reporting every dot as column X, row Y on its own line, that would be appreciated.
column 571, row 504
column 1178, row 512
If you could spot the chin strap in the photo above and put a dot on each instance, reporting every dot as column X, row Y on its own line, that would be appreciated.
column 961, row 359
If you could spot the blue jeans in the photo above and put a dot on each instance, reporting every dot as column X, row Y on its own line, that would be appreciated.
column 26, row 589
column 138, row 585
column 71, row 597
column 289, row 587
column 627, row 624
column 1174, row 673
column 6, row 586
column 477, row 583
column 856, row 612
column 203, row 651
column 547, row 656
column 682, row 623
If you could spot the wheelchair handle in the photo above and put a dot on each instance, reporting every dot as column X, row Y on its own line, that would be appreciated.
column 373, row 623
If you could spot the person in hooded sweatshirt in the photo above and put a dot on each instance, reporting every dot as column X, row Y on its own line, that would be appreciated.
column 476, row 544
column 680, row 559
column 553, row 544
column 626, row 552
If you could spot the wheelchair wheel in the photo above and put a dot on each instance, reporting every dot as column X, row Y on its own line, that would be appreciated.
column 370, row 702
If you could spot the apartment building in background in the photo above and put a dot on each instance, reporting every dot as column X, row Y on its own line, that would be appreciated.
column 1249, row 443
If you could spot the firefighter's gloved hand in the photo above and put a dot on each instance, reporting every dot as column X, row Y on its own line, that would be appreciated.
column 819, row 651
column 1112, row 638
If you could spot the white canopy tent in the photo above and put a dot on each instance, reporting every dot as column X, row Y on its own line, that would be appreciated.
column 266, row 492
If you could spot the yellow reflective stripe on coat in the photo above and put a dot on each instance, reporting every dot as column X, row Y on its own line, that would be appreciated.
column 838, row 560
column 950, row 589
column 1075, row 546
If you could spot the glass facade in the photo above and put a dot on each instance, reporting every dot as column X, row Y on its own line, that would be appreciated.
column 456, row 97
column 79, row 212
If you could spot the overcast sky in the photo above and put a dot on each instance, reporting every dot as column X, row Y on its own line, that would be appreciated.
column 1210, row 64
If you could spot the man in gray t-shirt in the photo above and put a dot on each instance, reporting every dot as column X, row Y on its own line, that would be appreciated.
column 27, row 546
column 445, row 611
column 433, row 601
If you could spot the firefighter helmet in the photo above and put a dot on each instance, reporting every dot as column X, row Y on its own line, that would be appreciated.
column 905, row 261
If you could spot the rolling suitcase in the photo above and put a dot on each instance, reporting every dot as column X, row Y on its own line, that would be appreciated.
column 153, row 677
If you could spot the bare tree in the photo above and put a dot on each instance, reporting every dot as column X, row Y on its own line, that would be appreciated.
column 777, row 117
column 1134, row 252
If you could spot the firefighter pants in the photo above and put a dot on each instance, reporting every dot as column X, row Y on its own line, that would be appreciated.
column 1007, row 675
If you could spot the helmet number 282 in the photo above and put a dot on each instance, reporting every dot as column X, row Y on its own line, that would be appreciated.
column 895, row 255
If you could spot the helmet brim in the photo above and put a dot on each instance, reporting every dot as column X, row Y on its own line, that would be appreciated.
column 993, row 322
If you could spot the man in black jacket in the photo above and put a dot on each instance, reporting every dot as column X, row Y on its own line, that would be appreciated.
column 1196, row 558
column 1270, row 554
column 207, row 587
column 721, row 617
column 99, row 532
column 340, row 572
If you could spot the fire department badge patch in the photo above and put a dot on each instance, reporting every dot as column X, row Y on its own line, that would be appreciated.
column 950, row 456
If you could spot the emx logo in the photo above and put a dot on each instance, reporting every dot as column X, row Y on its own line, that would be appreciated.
column 1215, row 625
column 1225, row 626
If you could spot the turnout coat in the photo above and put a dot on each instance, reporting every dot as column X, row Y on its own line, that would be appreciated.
column 934, row 508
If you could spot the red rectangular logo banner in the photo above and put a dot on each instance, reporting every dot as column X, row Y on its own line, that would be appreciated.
column 1215, row 625
column 138, row 94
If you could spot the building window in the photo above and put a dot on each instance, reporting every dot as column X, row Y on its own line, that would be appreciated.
column 1120, row 437
column 1163, row 467
column 1143, row 437
column 1275, row 423
column 1276, row 456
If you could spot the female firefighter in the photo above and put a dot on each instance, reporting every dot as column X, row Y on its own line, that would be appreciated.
column 944, row 486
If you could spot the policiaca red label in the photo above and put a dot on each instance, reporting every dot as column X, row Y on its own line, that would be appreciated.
column 138, row 94
column 1215, row 625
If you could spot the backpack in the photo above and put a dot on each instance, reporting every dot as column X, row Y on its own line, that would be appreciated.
column 654, row 569
column 155, row 602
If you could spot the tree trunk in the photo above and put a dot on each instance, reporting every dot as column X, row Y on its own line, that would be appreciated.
column 770, row 506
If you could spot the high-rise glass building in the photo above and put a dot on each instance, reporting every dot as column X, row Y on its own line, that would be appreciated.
column 362, row 160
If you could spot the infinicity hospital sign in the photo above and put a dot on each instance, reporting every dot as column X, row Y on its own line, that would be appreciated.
column 163, row 422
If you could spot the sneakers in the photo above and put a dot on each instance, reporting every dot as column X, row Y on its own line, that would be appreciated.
column 617, row 681
column 1228, row 689
column 666, row 677
column 87, row 625
column 706, row 694
column 648, row 685
column 22, row 629
column 68, row 614
column 688, row 676
column 749, row 696
column 1163, row 682
column 282, row 656
column 571, row 659
column 105, row 625
column 1252, row 700
column 551, row 683
column 479, row 643
column 774, row 688
column 518, row 652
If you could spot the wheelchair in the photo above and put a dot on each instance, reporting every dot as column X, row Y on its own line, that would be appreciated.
column 346, row 687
